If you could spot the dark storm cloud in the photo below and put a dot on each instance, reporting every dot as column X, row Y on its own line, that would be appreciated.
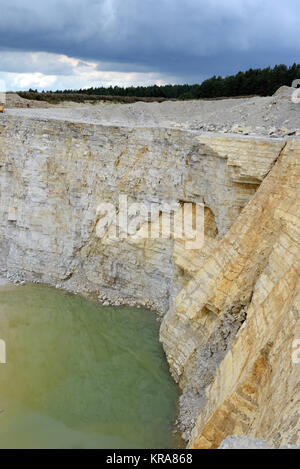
column 185, row 38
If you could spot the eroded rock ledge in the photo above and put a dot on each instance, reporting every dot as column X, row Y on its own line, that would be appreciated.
column 231, row 310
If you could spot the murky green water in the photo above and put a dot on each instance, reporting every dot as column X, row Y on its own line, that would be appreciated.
column 81, row 376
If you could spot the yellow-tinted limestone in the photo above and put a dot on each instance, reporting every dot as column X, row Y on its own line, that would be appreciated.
column 231, row 308
column 54, row 175
column 254, row 270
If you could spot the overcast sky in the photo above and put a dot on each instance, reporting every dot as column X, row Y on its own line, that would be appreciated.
column 78, row 43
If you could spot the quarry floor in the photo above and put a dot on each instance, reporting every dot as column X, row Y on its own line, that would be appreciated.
column 274, row 116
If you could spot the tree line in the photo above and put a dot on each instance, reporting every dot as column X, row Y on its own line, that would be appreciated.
column 261, row 82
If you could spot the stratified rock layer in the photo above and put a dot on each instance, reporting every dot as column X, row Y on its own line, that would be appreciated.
column 54, row 175
column 231, row 309
column 250, row 279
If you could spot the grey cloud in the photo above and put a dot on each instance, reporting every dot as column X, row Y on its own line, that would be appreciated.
column 188, row 38
column 28, row 62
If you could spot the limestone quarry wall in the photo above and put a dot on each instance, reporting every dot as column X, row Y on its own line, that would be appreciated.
column 236, row 324
column 231, row 309
column 54, row 175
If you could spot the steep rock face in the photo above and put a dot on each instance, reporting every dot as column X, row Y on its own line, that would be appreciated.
column 54, row 175
column 248, row 286
column 232, row 307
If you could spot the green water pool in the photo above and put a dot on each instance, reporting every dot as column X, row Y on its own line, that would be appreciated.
column 79, row 375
